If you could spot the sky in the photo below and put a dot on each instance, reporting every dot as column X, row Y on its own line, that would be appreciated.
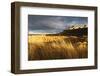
column 42, row 24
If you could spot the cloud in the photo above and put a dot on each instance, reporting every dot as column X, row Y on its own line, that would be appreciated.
column 45, row 23
column 54, row 23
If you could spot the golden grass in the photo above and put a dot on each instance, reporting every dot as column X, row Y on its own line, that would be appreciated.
column 41, row 47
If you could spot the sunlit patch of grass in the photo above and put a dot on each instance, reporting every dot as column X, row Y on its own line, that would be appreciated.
column 41, row 47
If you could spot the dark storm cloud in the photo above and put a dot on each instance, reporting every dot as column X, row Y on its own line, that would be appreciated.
column 45, row 24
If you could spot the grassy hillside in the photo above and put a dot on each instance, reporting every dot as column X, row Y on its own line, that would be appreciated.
column 75, row 32
column 69, row 44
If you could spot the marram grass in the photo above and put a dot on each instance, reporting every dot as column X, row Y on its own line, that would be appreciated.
column 42, row 47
